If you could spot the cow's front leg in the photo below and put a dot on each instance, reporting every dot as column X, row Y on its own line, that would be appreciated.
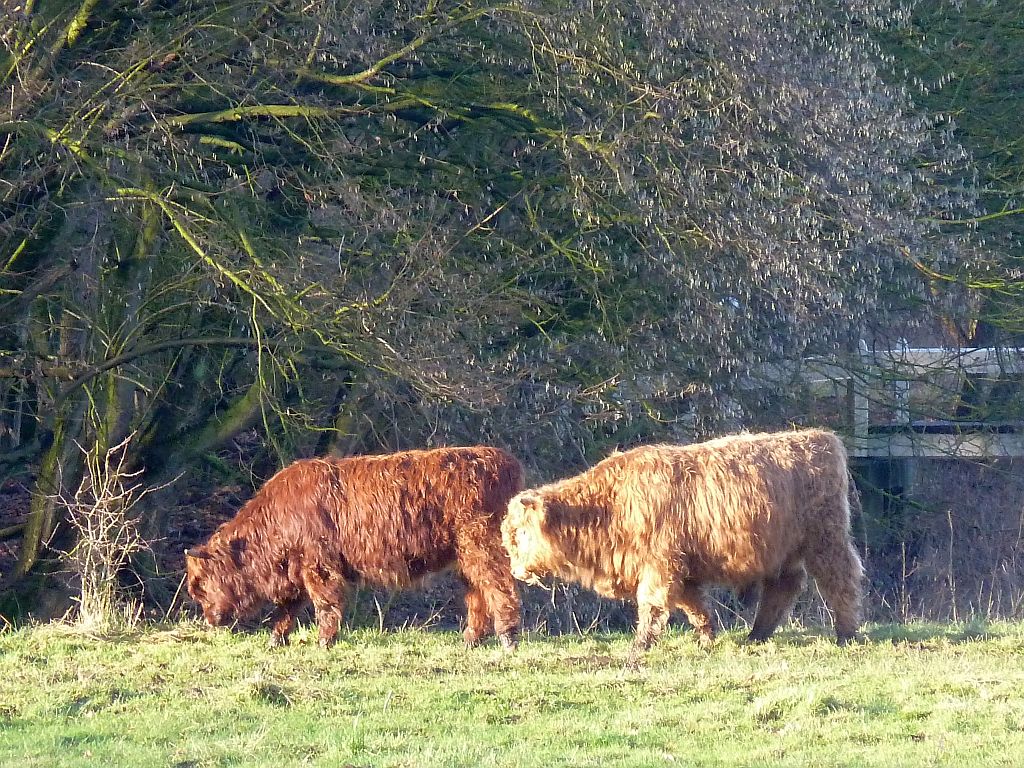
column 652, row 607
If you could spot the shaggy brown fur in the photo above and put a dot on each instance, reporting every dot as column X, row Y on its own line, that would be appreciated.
column 659, row 523
column 321, row 524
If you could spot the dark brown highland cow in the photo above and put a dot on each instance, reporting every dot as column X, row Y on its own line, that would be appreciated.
column 319, row 525
column 657, row 524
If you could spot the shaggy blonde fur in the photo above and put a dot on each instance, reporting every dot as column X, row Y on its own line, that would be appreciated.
column 658, row 523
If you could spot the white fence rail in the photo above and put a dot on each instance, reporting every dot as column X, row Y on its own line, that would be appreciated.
column 887, row 376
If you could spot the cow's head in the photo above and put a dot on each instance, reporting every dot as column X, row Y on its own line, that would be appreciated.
column 215, row 580
column 525, row 536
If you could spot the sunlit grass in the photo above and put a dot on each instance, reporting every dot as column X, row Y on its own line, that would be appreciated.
column 189, row 696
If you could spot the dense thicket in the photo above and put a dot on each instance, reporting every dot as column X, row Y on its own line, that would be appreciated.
column 546, row 225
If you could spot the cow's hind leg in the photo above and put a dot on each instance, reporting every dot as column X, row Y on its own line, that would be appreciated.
column 492, row 600
column 326, row 589
column 777, row 597
column 492, row 605
column 479, row 623
column 688, row 597
column 283, row 620
column 839, row 574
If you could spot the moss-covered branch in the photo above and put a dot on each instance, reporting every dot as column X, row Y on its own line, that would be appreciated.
column 11, row 531
column 432, row 33
column 282, row 111
column 43, row 519
column 150, row 349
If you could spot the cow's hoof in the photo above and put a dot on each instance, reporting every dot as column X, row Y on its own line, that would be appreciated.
column 326, row 642
column 278, row 641
column 757, row 638
column 508, row 642
column 848, row 639
column 471, row 638
column 705, row 641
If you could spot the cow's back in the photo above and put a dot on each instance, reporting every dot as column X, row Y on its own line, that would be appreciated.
column 286, row 510
column 396, row 517
column 747, row 504
column 728, row 508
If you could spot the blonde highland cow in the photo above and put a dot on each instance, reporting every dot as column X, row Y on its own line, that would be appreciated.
column 659, row 523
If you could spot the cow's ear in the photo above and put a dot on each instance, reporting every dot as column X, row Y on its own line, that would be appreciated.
column 199, row 553
column 533, row 502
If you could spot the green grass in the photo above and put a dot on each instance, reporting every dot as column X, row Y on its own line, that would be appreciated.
column 190, row 696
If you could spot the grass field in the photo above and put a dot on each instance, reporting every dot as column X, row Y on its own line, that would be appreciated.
column 189, row 696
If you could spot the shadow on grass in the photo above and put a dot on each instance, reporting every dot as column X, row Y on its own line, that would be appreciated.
column 603, row 647
column 922, row 633
column 952, row 634
column 913, row 633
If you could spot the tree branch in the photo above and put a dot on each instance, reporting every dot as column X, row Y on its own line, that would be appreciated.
column 149, row 349
column 11, row 531
column 235, row 114
column 43, row 284
column 357, row 78
column 79, row 22
column 198, row 341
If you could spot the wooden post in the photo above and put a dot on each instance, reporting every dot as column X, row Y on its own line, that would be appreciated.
column 857, row 393
column 901, row 388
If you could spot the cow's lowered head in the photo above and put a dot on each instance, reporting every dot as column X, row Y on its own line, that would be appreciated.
column 524, row 534
column 214, row 580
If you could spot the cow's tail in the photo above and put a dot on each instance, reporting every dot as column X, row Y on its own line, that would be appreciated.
column 853, row 498
column 510, row 475
column 501, row 478
column 858, row 522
